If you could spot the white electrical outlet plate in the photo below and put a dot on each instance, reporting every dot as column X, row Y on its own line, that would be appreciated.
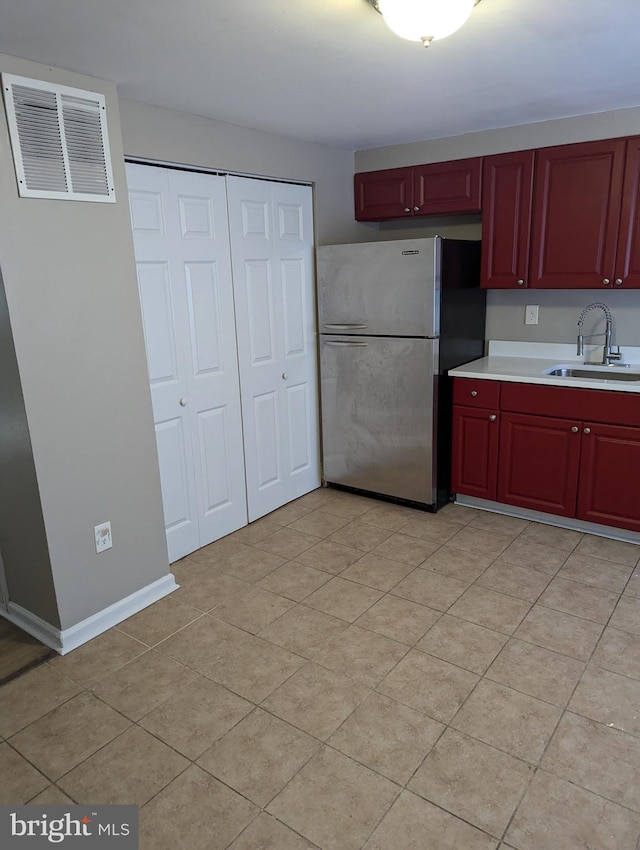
column 531, row 314
column 103, row 536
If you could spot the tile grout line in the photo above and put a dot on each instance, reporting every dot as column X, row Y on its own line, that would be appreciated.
column 87, row 688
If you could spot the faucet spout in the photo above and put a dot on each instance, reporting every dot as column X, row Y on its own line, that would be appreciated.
column 608, row 356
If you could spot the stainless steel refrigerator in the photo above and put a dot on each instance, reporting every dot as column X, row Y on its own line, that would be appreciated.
column 394, row 317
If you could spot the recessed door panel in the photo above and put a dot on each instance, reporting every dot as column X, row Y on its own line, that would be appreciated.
column 293, row 287
column 196, row 218
column 290, row 220
column 204, row 317
column 255, row 219
column 267, row 441
column 178, row 509
column 260, row 310
column 300, row 450
column 214, row 454
column 157, row 318
column 146, row 213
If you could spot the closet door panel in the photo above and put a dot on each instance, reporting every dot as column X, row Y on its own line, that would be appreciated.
column 181, row 242
column 272, row 245
column 201, row 242
column 164, row 313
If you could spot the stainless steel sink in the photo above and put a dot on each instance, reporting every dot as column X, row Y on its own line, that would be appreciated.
column 604, row 374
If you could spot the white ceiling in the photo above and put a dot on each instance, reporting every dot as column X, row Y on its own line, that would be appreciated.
column 331, row 71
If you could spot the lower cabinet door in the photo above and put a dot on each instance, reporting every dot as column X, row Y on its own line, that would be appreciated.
column 539, row 461
column 609, row 476
column 475, row 452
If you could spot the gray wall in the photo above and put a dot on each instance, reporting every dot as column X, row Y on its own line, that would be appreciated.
column 559, row 313
column 562, row 131
column 176, row 137
column 71, row 291
column 505, row 309
column 22, row 536
column 75, row 319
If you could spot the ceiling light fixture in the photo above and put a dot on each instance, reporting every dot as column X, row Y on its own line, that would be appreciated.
column 424, row 20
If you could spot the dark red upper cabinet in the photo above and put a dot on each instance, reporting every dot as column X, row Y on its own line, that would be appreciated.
column 447, row 188
column 627, row 270
column 576, row 212
column 507, row 190
column 383, row 194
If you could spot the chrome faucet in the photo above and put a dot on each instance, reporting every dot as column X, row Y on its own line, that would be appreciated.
column 609, row 357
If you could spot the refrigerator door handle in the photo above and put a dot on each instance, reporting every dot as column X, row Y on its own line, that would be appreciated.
column 335, row 344
column 346, row 327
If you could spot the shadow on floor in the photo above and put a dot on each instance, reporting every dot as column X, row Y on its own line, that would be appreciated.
column 19, row 651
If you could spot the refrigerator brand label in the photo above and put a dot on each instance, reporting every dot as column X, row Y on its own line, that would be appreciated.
column 404, row 253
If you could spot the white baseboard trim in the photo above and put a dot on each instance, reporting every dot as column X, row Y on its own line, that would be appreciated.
column 39, row 629
column 64, row 640
column 550, row 519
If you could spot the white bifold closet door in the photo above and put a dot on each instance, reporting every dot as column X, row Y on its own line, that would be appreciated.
column 225, row 280
column 271, row 229
column 181, row 240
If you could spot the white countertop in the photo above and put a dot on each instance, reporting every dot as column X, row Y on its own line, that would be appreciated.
column 526, row 363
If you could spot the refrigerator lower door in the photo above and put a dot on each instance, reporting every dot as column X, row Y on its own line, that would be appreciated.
column 378, row 414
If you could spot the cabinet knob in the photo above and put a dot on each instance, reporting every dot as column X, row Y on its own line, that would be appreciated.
column 406, row 209
column 575, row 429
column 474, row 393
column 520, row 281
column 587, row 430
column 606, row 281
column 284, row 376
column 416, row 209
column 618, row 281
column 493, row 417
column 183, row 402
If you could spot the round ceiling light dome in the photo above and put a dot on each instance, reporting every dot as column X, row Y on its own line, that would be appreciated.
column 425, row 20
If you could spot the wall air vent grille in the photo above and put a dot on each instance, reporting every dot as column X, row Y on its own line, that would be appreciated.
column 59, row 141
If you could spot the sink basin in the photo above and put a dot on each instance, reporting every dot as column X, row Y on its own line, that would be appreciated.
column 594, row 373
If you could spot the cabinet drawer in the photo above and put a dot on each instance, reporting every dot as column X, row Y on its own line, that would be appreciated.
column 474, row 393
column 595, row 405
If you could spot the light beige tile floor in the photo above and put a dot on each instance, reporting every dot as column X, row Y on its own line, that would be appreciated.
column 348, row 674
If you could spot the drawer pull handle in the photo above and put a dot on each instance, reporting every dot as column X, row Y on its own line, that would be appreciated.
column 587, row 430
column 575, row 429
column 474, row 393
column 493, row 417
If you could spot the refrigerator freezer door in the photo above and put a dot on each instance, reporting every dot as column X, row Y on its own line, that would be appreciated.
column 378, row 414
column 380, row 288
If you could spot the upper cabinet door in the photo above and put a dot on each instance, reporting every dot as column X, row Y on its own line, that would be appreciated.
column 507, row 182
column 576, row 213
column 627, row 271
column 446, row 188
column 383, row 194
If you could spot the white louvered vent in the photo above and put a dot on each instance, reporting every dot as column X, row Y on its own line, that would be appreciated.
column 59, row 141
